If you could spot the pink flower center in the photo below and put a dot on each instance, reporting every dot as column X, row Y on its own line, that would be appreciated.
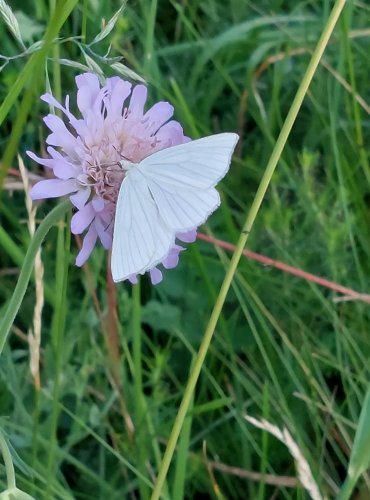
column 106, row 179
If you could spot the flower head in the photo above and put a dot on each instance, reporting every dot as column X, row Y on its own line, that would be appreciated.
column 85, row 155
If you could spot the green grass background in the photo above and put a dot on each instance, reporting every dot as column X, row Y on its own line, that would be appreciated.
column 284, row 350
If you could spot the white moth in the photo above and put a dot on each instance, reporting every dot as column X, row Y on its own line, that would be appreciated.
column 169, row 192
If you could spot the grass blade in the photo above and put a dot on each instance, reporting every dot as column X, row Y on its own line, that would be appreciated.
column 360, row 455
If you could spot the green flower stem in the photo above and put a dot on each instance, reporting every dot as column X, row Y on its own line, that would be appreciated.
column 270, row 168
column 15, row 302
column 57, row 342
column 8, row 462
column 136, row 326
column 138, row 387
column 347, row 488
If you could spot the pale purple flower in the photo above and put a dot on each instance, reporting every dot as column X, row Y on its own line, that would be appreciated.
column 113, row 125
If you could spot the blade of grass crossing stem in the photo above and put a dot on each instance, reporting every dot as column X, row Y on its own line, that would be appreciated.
column 57, row 338
column 360, row 456
column 15, row 302
column 270, row 168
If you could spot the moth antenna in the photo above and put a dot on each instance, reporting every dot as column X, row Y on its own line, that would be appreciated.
column 121, row 155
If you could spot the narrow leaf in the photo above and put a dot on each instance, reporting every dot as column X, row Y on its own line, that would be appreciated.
column 127, row 72
column 35, row 46
column 109, row 26
column 360, row 456
column 11, row 21
column 73, row 64
column 93, row 65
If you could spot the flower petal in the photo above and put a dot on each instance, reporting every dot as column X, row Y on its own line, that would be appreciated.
column 137, row 102
column 157, row 115
column 60, row 135
column 82, row 219
column 188, row 237
column 132, row 279
column 88, row 89
column 46, row 162
column 171, row 134
column 104, row 233
column 88, row 244
column 98, row 203
column 118, row 90
column 172, row 258
column 62, row 168
column 52, row 188
column 50, row 99
column 65, row 170
column 155, row 276
column 80, row 198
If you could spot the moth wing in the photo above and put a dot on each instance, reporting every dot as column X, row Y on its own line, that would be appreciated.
column 141, row 239
column 183, row 209
column 197, row 164
column 181, row 179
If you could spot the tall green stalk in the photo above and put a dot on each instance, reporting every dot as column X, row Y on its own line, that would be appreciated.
column 57, row 340
column 138, row 385
column 266, row 179
column 15, row 302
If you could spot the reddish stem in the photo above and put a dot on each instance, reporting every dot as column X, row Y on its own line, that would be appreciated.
column 289, row 269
